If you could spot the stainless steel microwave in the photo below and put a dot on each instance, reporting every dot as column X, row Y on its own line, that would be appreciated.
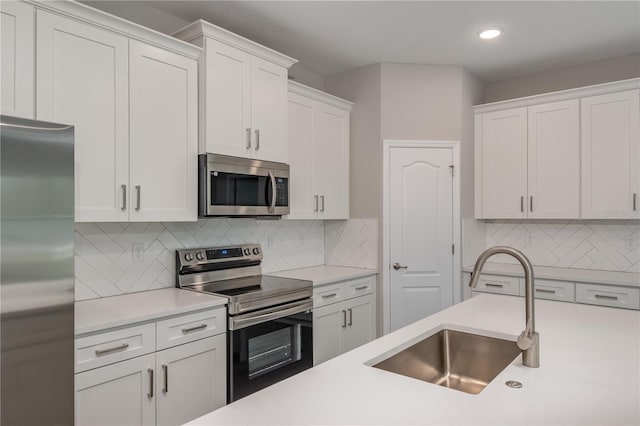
column 234, row 186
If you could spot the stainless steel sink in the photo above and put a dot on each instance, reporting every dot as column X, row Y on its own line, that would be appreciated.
column 454, row 359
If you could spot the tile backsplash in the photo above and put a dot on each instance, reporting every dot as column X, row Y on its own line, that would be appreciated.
column 105, row 264
column 584, row 244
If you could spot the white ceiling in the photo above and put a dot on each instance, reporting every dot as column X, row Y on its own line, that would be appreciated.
column 329, row 37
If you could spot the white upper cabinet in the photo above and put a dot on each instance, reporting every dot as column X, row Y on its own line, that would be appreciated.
column 82, row 80
column 17, row 66
column 163, row 134
column 501, row 143
column 243, row 110
column 564, row 155
column 611, row 155
column 134, row 106
column 554, row 160
column 318, row 137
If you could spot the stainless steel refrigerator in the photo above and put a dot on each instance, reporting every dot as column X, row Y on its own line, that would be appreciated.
column 37, row 273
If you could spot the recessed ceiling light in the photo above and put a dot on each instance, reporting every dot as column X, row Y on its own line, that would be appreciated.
column 489, row 33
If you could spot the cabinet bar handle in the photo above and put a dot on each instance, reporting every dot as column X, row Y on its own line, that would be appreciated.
column 137, row 197
column 315, row 208
column 521, row 204
column 494, row 285
column 150, row 393
column 124, row 197
column 328, row 296
column 635, row 202
column 362, row 287
column 113, row 349
column 165, row 372
column 248, row 130
column 257, row 139
column 544, row 290
column 322, row 203
column 531, row 203
column 197, row 327
column 350, row 317
column 605, row 297
column 344, row 319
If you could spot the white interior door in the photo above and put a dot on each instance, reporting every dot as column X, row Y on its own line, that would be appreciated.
column 420, row 232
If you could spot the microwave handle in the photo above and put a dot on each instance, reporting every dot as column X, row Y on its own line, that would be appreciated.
column 273, row 191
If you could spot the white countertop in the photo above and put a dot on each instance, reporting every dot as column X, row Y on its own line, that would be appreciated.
column 325, row 274
column 589, row 375
column 630, row 279
column 108, row 312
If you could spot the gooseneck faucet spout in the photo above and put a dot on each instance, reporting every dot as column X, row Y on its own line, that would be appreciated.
column 529, row 339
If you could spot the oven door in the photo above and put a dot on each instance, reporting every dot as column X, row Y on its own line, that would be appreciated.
column 266, row 350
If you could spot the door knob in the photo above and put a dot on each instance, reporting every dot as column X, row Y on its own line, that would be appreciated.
column 397, row 266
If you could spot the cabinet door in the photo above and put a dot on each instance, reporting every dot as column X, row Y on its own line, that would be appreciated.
column 361, row 322
column 302, row 201
column 554, row 160
column 331, row 156
column 17, row 66
column 504, row 164
column 163, row 135
column 82, row 79
column 118, row 394
column 191, row 380
column 329, row 323
column 268, row 110
column 226, row 111
column 611, row 156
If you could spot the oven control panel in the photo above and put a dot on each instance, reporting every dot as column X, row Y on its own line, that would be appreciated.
column 214, row 255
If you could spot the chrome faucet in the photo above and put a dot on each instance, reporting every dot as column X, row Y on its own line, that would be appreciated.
column 529, row 340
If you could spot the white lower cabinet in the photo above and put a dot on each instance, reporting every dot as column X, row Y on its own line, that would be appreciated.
column 339, row 326
column 168, row 387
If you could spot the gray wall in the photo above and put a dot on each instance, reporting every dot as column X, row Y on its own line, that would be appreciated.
column 613, row 69
column 142, row 14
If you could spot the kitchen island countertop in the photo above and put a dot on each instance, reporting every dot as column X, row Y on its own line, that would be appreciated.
column 589, row 375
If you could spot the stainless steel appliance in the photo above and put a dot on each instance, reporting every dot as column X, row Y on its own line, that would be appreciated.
column 36, row 273
column 233, row 186
column 269, row 318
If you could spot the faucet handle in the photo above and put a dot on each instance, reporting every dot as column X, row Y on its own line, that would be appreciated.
column 525, row 340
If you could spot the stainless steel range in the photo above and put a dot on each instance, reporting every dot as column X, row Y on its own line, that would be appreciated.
column 269, row 318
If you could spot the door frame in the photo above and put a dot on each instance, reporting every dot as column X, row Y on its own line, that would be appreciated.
column 387, row 144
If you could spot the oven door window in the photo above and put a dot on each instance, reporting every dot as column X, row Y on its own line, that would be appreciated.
column 266, row 353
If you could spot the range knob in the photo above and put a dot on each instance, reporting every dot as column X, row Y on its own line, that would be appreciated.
column 188, row 257
column 247, row 252
column 200, row 255
column 256, row 250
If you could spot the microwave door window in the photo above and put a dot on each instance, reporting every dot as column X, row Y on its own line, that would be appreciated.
column 229, row 189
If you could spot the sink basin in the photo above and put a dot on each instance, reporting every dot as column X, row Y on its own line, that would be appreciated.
column 454, row 359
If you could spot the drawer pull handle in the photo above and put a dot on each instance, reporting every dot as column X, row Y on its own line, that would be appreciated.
column 329, row 296
column 544, row 290
column 197, row 327
column 494, row 285
column 362, row 287
column 114, row 349
column 165, row 372
column 605, row 297
column 150, row 393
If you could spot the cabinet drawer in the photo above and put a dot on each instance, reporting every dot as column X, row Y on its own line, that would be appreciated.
column 608, row 295
column 499, row 284
column 555, row 290
column 114, row 346
column 188, row 328
column 328, row 294
column 360, row 287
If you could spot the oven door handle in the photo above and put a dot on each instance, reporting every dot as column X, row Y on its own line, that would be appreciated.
column 247, row 320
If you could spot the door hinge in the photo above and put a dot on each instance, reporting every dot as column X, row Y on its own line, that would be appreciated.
column 451, row 167
column 453, row 249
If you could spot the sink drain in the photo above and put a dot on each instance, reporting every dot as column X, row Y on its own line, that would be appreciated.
column 513, row 384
